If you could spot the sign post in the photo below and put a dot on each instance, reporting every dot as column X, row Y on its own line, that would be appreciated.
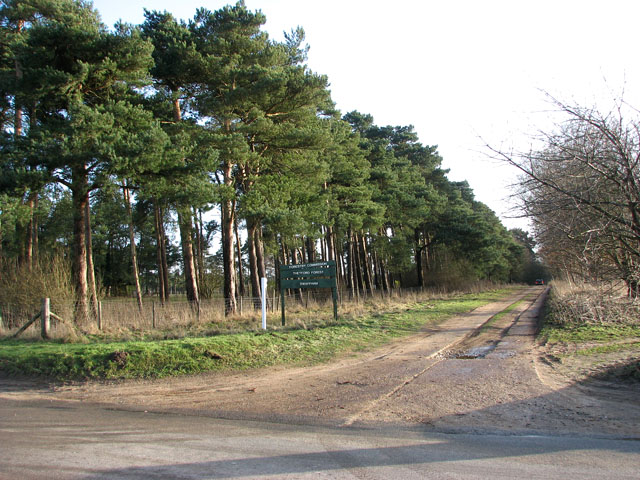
column 263, row 284
column 309, row 275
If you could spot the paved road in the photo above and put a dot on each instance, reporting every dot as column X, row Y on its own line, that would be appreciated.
column 62, row 440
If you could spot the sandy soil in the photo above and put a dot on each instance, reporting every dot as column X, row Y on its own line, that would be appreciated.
column 453, row 378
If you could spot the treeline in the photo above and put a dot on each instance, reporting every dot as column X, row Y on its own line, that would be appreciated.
column 120, row 148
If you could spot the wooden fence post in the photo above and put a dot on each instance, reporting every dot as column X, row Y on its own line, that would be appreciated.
column 153, row 314
column 99, row 315
column 45, row 318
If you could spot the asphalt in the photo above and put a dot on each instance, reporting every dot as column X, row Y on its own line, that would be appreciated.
column 59, row 440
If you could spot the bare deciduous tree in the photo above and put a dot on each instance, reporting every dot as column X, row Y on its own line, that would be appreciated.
column 582, row 192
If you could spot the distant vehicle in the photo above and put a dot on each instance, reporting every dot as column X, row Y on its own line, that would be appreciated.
column 539, row 281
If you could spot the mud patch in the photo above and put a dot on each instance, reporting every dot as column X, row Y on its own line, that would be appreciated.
column 474, row 353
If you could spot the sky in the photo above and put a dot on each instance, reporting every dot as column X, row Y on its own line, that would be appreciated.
column 466, row 74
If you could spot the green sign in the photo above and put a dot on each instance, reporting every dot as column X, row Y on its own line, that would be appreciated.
column 309, row 275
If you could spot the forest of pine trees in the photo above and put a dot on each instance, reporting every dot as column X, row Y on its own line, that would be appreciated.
column 196, row 157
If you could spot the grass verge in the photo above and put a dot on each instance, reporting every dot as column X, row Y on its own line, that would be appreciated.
column 561, row 332
column 159, row 358
column 589, row 334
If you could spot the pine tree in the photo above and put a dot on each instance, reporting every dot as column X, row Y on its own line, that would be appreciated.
column 78, row 77
column 262, row 105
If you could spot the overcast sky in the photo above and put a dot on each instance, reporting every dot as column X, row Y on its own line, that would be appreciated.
column 465, row 73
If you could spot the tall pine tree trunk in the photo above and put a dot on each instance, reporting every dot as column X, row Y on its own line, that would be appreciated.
column 163, row 268
column 31, row 247
column 161, row 290
column 228, row 260
column 18, row 108
column 296, row 259
column 254, row 274
column 350, row 265
column 323, row 243
column 366, row 264
column 28, row 257
column 227, row 209
column 80, row 199
column 202, row 247
column 262, row 270
column 376, row 276
column 185, row 226
column 311, row 250
column 332, row 255
column 91, row 273
column 17, row 133
column 240, row 285
column 186, row 239
column 384, row 275
column 132, row 243
column 36, row 248
column 331, row 245
column 165, row 263
column 359, row 276
column 195, row 246
column 418, row 259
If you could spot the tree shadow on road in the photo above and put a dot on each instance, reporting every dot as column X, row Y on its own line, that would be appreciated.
column 549, row 457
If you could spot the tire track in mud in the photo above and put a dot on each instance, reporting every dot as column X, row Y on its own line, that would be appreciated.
column 478, row 343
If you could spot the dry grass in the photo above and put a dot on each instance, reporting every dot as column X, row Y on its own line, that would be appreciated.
column 22, row 290
column 24, row 287
column 178, row 319
column 592, row 332
column 592, row 304
column 122, row 320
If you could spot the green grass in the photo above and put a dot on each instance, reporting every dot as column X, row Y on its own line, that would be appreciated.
column 608, row 348
column 582, row 333
column 141, row 359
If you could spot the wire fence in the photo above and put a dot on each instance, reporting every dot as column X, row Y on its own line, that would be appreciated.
column 117, row 315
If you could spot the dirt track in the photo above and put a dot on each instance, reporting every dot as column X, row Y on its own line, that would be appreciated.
column 453, row 378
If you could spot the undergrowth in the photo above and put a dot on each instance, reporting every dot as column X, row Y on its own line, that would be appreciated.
column 587, row 314
column 594, row 321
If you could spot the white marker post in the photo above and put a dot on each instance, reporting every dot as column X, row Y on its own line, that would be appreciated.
column 263, row 282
